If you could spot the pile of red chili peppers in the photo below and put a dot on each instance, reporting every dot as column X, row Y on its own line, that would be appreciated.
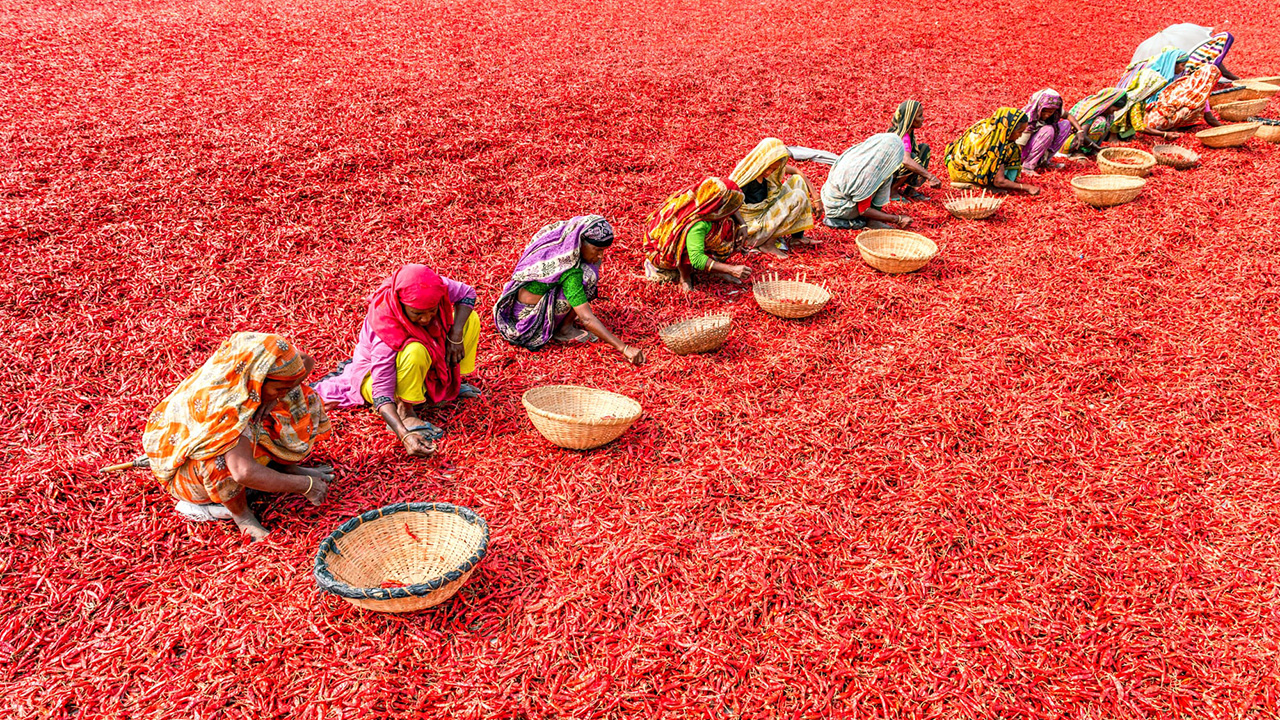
column 1037, row 479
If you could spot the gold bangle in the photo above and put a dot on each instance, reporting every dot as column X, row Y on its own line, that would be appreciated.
column 311, row 482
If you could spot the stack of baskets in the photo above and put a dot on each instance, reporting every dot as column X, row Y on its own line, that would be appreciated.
column 1268, row 129
column 1126, row 161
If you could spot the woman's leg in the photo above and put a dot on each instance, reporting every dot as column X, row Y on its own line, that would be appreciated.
column 1039, row 148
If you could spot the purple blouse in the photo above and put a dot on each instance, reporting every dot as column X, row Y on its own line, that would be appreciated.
column 372, row 357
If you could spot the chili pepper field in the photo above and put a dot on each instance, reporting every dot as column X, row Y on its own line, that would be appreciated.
column 1040, row 478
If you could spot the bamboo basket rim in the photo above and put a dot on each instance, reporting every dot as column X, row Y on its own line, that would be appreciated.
column 1226, row 131
column 1108, row 152
column 1260, row 102
column 984, row 206
column 328, row 583
column 530, row 407
column 1110, row 182
column 767, row 282
column 710, row 321
column 931, row 247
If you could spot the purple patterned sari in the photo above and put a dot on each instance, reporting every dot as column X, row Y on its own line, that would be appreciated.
column 553, row 251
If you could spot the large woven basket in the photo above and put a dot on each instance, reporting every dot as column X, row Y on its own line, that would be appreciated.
column 974, row 207
column 579, row 418
column 1227, row 95
column 1107, row 190
column 1242, row 109
column 1125, row 161
column 1267, row 79
column 896, row 251
column 1228, row 135
column 1178, row 158
column 1268, row 129
column 790, row 298
column 1254, row 90
column 695, row 335
column 403, row 557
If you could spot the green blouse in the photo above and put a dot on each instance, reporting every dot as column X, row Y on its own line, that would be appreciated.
column 695, row 245
column 570, row 282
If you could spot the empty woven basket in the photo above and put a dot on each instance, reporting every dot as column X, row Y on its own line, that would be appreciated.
column 1107, row 190
column 403, row 557
column 1178, row 158
column 695, row 335
column 1242, row 109
column 579, row 418
column 789, row 298
column 974, row 207
column 1227, row 95
column 896, row 251
column 1228, row 135
column 1268, row 129
column 1126, row 161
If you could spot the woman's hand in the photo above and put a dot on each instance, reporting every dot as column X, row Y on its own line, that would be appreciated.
column 634, row 355
column 418, row 446
column 454, row 350
column 903, row 221
column 934, row 182
column 739, row 272
column 1031, row 189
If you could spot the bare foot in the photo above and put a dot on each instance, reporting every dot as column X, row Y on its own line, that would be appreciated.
column 251, row 527
column 772, row 249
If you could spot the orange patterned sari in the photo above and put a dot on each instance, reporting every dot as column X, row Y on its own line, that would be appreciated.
column 189, row 433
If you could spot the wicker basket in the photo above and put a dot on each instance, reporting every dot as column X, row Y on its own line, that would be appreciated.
column 1125, row 161
column 1268, row 129
column 579, row 418
column 1107, row 190
column 1228, row 135
column 896, row 251
column 1227, row 95
column 695, row 335
column 789, row 298
column 974, row 207
column 403, row 557
column 1242, row 109
column 1268, row 79
column 1178, row 158
column 1254, row 90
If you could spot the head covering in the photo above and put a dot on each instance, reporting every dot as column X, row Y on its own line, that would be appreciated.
column 1040, row 101
column 1164, row 62
column 556, row 249
column 713, row 200
column 904, row 117
column 421, row 289
column 751, row 168
column 1210, row 52
column 1095, row 106
column 599, row 233
column 987, row 145
column 861, row 170
column 206, row 414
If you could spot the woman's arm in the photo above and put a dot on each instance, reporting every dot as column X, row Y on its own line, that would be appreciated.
column 588, row 320
column 923, row 172
column 901, row 221
column 454, row 351
column 1005, row 183
column 1211, row 118
column 247, row 472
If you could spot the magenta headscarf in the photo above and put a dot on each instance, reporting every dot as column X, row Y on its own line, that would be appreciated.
column 421, row 289
column 1047, row 98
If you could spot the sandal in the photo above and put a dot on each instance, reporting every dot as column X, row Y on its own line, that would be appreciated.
column 468, row 392
column 428, row 431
